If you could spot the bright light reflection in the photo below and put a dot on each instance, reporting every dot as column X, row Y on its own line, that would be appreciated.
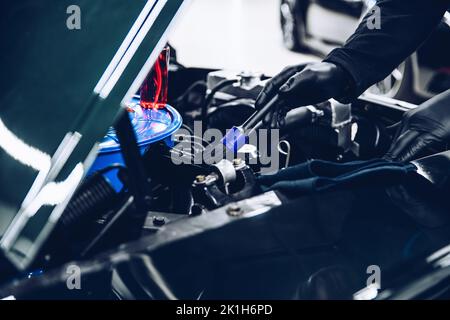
column 368, row 293
column 54, row 193
column 23, row 152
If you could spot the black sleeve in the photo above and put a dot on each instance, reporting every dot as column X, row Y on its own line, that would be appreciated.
column 373, row 51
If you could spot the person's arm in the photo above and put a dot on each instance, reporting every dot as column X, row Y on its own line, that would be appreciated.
column 370, row 54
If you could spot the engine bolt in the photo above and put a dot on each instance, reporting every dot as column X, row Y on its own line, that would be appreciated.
column 237, row 162
column 234, row 210
column 159, row 221
column 200, row 179
column 197, row 209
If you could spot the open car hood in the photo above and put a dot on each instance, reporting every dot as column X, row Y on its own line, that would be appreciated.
column 61, row 90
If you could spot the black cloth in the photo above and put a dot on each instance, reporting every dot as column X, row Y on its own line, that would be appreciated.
column 370, row 54
column 319, row 175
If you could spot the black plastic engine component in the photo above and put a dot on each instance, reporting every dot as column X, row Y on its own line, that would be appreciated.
column 79, row 223
column 214, row 191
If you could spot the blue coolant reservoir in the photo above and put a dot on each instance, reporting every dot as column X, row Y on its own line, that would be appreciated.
column 150, row 126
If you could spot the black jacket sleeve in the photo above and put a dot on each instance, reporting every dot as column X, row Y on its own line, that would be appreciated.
column 371, row 53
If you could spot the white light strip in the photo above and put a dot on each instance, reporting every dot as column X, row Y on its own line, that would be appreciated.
column 368, row 293
column 144, row 72
column 20, row 151
column 439, row 254
column 60, row 157
column 58, row 211
column 64, row 151
column 151, row 60
column 109, row 85
column 124, row 46
column 447, row 18
column 54, row 193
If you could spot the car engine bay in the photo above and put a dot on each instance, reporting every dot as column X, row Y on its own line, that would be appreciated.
column 211, row 231
column 144, row 179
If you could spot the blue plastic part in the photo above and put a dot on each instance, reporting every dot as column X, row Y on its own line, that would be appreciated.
column 235, row 139
column 150, row 126
column 35, row 273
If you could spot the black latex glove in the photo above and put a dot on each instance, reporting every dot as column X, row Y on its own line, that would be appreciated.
column 427, row 126
column 303, row 85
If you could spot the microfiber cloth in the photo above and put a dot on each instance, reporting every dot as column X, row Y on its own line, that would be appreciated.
column 319, row 175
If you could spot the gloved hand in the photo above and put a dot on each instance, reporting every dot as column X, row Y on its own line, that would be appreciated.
column 303, row 85
column 421, row 128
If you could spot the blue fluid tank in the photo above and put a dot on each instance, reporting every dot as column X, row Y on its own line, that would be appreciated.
column 150, row 126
